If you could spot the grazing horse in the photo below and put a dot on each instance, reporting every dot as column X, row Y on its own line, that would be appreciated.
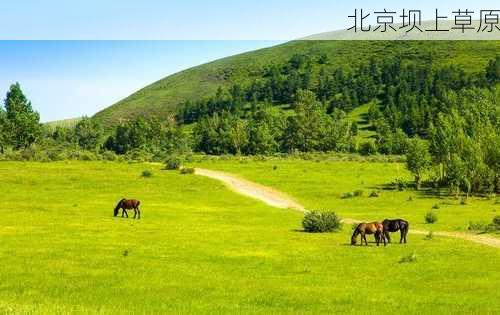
column 125, row 205
column 369, row 228
column 394, row 226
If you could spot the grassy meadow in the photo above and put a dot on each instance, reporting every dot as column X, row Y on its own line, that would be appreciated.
column 202, row 249
column 320, row 184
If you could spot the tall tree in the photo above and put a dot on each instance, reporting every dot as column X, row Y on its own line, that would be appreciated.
column 23, row 121
column 418, row 159
column 4, row 137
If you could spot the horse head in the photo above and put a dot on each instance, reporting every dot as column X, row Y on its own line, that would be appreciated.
column 117, row 208
column 353, row 241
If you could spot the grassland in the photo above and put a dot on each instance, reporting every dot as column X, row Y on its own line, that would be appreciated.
column 203, row 249
column 321, row 184
column 66, row 123
column 163, row 97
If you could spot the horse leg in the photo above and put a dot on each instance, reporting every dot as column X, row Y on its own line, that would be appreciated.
column 406, row 233
column 135, row 213
column 126, row 213
column 402, row 236
column 123, row 213
column 377, row 238
column 364, row 238
column 387, row 236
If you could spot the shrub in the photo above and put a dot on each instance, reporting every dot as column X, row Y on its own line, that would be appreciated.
column 436, row 206
column 374, row 194
column 173, row 163
column 485, row 227
column 109, row 155
column 429, row 236
column 347, row 195
column 479, row 226
column 463, row 201
column 147, row 173
column 410, row 198
column 368, row 148
column 400, row 184
column 321, row 222
column 409, row 259
column 358, row 193
column 431, row 217
column 187, row 171
column 496, row 221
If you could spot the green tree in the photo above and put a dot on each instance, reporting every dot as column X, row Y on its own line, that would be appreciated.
column 493, row 71
column 418, row 159
column 265, row 128
column 4, row 136
column 88, row 134
column 23, row 121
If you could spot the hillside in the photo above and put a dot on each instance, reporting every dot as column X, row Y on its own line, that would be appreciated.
column 164, row 96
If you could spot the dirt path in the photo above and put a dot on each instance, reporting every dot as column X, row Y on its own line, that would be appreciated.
column 280, row 200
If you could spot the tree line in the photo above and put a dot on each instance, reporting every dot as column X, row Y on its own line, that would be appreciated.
column 444, row 120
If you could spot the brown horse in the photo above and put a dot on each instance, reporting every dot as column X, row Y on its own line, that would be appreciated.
column 125, row 205
column 369, row 228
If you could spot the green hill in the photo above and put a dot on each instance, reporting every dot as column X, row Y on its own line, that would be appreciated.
column 163, row 97
column 68, row 123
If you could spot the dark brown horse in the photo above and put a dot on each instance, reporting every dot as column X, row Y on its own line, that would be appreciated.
column 369, row 228
column 394, row 226
column 125, row 205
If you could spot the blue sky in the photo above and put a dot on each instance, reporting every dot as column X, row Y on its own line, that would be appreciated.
column 65, row 79
column 73, row 78
column 195, row 19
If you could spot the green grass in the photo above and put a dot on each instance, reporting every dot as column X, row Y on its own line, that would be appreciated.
column 67, row 123
column 321, row 184
column 365, row 129
column 201, row 249
column 163, row 97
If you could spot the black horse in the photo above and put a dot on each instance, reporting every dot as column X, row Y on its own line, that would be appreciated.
column 394, row 226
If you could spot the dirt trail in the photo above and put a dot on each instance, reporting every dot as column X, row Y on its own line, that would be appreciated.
column 280, row 200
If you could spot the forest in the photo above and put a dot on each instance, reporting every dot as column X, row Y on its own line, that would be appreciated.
column 444, row 120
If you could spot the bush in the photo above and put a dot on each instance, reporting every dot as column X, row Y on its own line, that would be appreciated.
column 368, row 148
column 436, row 206
column 347, row 195
column 109, row 156
column 431, row 217
column 496, row 221
column 358, row 193
column 147, row 173
column 400, row 184
column 429, row 236
column 187, row 171
column 374, row 194
column 321, row 222
column 173, row 163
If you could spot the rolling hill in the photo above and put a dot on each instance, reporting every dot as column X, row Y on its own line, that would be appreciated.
column 163, row 97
